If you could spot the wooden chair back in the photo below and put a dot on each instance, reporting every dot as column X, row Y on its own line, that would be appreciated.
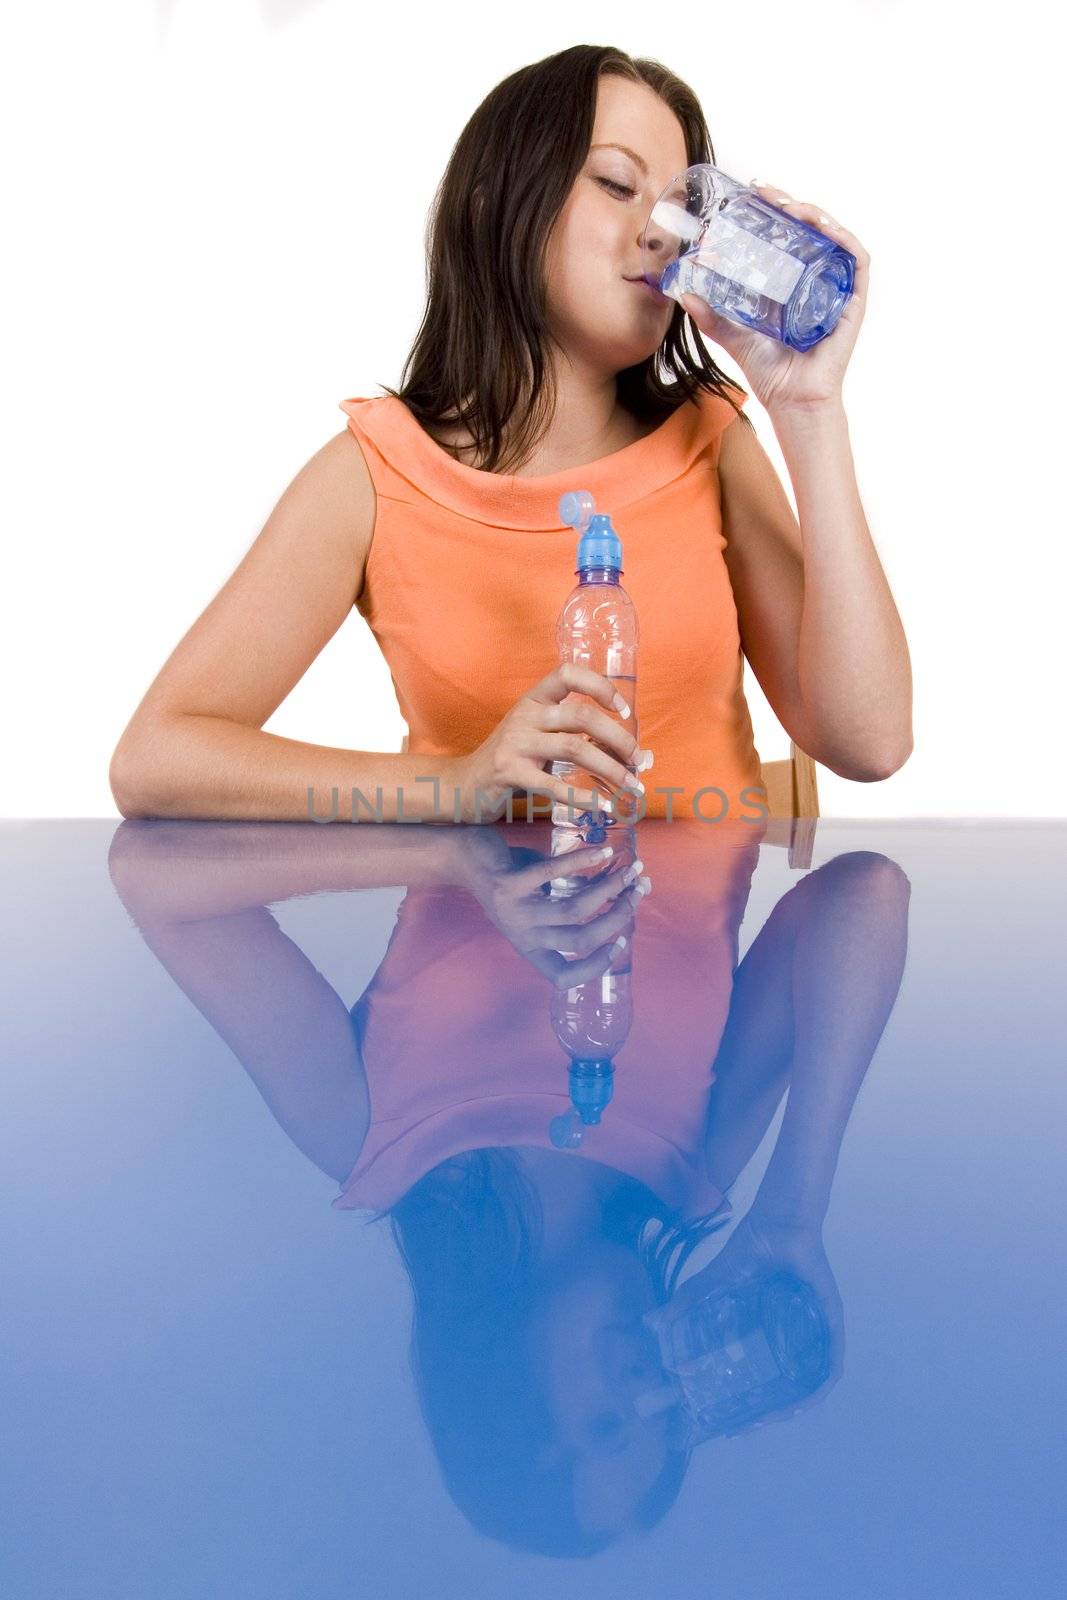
column 793, row 802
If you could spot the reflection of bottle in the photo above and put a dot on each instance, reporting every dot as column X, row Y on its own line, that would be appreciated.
column 592, row 1084
column 592, row 1023
column 742, row 1353
column 597, row 628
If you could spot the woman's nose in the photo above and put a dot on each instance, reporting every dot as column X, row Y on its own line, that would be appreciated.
column 649, row 236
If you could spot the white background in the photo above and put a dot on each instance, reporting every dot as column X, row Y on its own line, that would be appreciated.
column 194, row 278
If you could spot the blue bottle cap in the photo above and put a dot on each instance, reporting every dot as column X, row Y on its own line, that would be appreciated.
column 576, row 508
column 592, row 1083
column 599, row 545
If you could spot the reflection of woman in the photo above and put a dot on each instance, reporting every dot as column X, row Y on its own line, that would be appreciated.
column 539, row 368
column 532, row 1268
column 457, row 1025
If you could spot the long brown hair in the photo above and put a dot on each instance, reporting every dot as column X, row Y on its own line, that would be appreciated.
column 479, row 357
column 470, row 1234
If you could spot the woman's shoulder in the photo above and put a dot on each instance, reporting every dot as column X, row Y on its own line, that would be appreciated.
column 723, row 405
column 371, row 414
column 695, row 426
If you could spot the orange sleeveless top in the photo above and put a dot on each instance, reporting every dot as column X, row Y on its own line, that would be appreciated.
column 468, row 571
column 457, row 1042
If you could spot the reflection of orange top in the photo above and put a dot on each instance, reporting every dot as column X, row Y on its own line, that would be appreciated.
column 468, row 571
column 457, row 1042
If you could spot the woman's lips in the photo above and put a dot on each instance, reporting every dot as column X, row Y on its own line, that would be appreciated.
column 643, row 283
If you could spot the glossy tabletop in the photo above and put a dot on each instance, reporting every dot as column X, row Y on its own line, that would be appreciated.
column 372, row 1224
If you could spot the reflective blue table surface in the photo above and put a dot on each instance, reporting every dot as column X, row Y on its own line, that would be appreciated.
column 373, row 1224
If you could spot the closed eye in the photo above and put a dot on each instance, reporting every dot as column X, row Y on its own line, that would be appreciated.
column 619, row 188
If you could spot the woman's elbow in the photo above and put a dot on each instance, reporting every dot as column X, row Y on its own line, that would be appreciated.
column 872, row 764
column 126, row 778
column 881, row 764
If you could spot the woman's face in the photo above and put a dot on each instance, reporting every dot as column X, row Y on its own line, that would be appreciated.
column 596, row 316
column 591, row 1357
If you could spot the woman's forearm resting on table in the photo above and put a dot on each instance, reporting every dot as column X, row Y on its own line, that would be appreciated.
column 187, row 766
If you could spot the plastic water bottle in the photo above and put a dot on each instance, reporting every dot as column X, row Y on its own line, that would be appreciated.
column 741, row 1355
column 712, row 236
column 592, row 1022
column 597, row 628
column 592, row 1084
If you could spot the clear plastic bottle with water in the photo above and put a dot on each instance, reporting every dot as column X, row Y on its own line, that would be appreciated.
column 597, row 628
column 712, row 236
column 740, row 1355
column 592, row 1022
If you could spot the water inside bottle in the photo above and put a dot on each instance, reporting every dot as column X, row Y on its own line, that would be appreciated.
column 764, row 269
column 591, row 825
column 747, row 1352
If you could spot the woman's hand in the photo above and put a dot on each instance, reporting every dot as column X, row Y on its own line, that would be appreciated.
column 760, row 1244
column 546, row 726
column 586, row 924
column 782, row 378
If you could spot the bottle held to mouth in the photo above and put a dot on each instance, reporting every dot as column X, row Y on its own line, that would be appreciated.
column 740, row 1355
column 712, row 236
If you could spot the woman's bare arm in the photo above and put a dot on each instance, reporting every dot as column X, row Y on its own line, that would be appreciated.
column 170, row 870
column 282, row 1019
column 811, row 1000
column 194, row 747
column 818, row 622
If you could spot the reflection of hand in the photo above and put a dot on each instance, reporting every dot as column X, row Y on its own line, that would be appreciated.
column 759, row 1245
column 587, row 923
